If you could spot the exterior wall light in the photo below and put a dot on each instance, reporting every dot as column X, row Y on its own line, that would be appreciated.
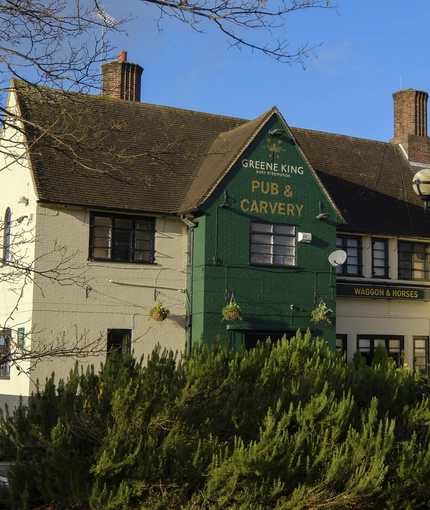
column 322, row 216
column 188, row 222
column 421, row 185
column 276, row 132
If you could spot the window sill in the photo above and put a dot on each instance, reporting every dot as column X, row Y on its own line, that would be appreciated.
column 124, row 262
column 351, row 276
column 277, row 266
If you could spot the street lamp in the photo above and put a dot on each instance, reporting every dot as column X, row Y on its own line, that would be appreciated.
column 421, row 185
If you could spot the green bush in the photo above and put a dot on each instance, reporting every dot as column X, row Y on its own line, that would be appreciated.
column 283, row 426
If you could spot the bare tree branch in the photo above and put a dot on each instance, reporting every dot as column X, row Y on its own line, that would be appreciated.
column 242, row 20
column 24, row 356
column 18, row 270
column 58, row 44
column 54, row 43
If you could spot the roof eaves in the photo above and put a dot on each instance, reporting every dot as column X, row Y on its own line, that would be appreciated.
column 332, row 202
column 53, row 204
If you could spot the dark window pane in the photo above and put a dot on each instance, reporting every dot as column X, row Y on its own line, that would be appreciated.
column 119, row 340
column 122, row 223
column 7, row 225
column 421, row 355
column 122, row 238
column 413, row 261
column 367, row 344
column 4, row 351
column 380, row 258
column 122, row 245
column 353, row 248
column 104, row 221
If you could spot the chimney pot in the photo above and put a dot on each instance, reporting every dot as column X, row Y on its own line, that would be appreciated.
column 123, row 56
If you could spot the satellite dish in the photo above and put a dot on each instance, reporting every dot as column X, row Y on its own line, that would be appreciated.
column 337, row 258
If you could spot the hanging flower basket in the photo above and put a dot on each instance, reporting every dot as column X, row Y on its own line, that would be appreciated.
column 158, row 312
column 231, row 312
column 321, row 313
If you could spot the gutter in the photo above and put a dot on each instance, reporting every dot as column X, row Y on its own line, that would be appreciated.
column 65, row 205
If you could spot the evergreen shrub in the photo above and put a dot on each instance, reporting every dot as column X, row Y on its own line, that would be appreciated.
column 282, row 426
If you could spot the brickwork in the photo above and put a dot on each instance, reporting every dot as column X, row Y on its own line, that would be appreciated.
column 410, row 113
column 418, row 149
column 122, row 80
column 410, row 124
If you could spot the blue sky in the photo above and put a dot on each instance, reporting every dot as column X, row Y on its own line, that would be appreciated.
column 369, row 49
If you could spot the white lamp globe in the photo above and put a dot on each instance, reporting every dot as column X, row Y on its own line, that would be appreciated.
column 421, row 185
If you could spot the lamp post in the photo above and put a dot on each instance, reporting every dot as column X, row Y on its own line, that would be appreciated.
column 421, row 185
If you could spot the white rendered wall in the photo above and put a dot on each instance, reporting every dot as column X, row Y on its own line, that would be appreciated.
column 378, row 316
column 382, row 317
column 115, row 295
column 16, row 297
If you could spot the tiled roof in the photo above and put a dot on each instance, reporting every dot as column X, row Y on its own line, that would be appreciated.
column 109, row 153
column 370, row 182
column 222, row 154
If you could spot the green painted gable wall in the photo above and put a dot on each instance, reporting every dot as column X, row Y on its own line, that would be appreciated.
column 270, row 182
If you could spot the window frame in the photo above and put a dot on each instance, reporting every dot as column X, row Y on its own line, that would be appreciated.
column 342, row 244
column 5, row 349
column 385, row 258
column 401, row 269
column 422, row 369
column 123, row 347
column 277, row 239
column 342, row 343
column 115, row 242
column 7, row 227
column 382, row 338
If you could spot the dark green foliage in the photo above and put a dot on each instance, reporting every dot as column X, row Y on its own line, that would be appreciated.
column 285, row 426
column 381, row 356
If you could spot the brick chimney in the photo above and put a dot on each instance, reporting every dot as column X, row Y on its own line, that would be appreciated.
column 410, row 124
column 122, row 79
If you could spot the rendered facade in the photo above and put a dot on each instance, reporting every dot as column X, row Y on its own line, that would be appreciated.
column 120, row 204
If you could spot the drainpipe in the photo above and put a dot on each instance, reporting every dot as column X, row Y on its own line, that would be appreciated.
column 190, row 296
column 190, row 226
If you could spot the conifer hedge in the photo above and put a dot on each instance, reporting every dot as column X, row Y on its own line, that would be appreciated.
column 283, row 426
